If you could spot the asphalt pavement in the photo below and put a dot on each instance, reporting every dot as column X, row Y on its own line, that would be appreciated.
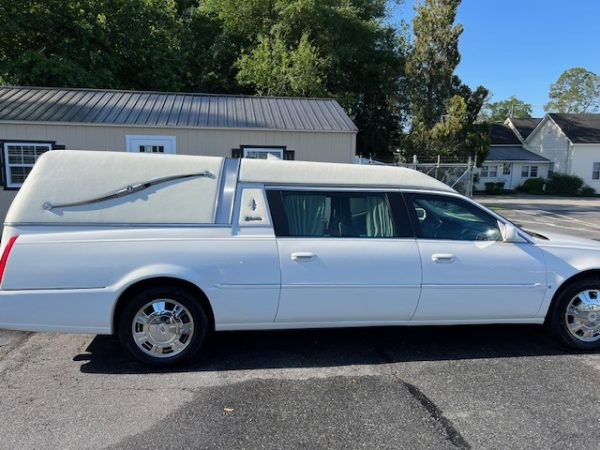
column 565, row 215
column 492, row 387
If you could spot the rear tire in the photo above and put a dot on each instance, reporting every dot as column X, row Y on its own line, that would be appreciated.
column 163, row 326
column 575, row 318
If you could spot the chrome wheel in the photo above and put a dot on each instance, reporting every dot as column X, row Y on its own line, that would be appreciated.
column 162, row 328
column 582, row 316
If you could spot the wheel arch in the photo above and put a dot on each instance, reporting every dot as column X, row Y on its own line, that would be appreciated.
column 161, row 281
column 586, row 274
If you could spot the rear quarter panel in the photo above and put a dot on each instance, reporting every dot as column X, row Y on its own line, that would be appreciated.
column 239, row 274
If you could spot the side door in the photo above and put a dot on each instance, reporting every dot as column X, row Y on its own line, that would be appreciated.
column 469, row 272
column 345, row 257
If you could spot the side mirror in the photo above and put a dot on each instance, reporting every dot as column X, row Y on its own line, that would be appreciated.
column 509, row 232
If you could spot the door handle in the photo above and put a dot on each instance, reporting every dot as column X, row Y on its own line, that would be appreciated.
column 302, row 256
column 442, row 257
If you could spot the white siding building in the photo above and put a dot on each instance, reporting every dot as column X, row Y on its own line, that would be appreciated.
column 509, row 162
column 571, row 142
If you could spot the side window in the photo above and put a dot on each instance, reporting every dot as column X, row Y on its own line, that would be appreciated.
column 444, row 217
column 337, row 214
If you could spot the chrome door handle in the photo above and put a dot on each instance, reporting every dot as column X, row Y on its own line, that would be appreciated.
column 442, row 257
column 302, row 256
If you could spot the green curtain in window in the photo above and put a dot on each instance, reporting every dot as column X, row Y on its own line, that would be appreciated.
column 379, row 219
column 308, row 215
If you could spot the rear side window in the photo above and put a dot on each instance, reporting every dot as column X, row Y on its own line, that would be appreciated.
column 338, row 214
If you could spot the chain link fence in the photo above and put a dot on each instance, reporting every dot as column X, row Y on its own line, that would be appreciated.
column 459, row 175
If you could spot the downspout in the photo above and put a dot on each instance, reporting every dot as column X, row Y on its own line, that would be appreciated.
column 569, row 162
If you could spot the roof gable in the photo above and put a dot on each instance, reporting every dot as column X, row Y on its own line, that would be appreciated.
column 503, row 135
column 524, row 126
column 171, row 109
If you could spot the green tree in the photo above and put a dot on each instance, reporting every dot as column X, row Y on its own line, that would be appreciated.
column 92, row 43
column 340, row 48
column 443, row 111
column 577, row 90
column 511, row 107
column 274, row 69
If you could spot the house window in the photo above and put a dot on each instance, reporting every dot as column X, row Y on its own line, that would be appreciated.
column 263, row 152
column 151, row 148
column 19, row 158
column 489, row 171
column 529, row 171
column 150, row 144
column 506, row 169
column 596, row 171
column 550, row 169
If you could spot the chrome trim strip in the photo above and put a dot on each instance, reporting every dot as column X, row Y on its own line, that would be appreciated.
column 127, row 190
column 113, row 225
column 226, row 197
column 47, row 289
column 484, row 286
column 333, row 188
column 352, row 285
column 247, row 286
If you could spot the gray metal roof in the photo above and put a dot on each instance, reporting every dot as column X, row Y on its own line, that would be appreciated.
column 171, row 109
column 512, row 153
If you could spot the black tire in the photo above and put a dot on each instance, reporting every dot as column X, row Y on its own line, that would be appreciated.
column 201, row 325
column 557, row 320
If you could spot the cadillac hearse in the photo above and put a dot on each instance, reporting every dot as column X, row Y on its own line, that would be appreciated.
column 162, row 250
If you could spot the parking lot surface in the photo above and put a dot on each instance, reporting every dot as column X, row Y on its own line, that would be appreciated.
column 576, row 216
column 416, row 388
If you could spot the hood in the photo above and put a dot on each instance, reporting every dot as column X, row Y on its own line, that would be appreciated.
column 563, row 240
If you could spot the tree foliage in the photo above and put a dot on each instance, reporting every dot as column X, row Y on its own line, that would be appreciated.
column 274, row 69
column 442, row 110
column 95, row 43
column 501, row 110
column 577, row 90
column 339, row 48
column 345, row 49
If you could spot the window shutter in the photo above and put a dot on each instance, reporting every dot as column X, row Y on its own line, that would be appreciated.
column 288, row 155
column 236, row 153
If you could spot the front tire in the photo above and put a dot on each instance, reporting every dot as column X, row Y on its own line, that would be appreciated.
column 575, row 319
column 163, row 326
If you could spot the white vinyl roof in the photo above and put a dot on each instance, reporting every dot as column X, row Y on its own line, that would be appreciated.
column 334, row 174
column 73, row 186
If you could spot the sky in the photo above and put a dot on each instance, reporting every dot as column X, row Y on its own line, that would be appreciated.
column 520, row 47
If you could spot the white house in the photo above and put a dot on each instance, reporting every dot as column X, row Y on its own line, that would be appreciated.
column 509, row 162
column 571, row 143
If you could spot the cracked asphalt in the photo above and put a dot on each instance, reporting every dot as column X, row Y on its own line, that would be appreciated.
column 492, row 387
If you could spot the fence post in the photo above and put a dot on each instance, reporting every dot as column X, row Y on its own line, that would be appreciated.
column 470, row 168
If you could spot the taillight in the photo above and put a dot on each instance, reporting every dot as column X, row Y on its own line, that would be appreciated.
column 6, row 254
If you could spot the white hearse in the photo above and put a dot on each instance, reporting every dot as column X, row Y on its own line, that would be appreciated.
column 164, row 249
